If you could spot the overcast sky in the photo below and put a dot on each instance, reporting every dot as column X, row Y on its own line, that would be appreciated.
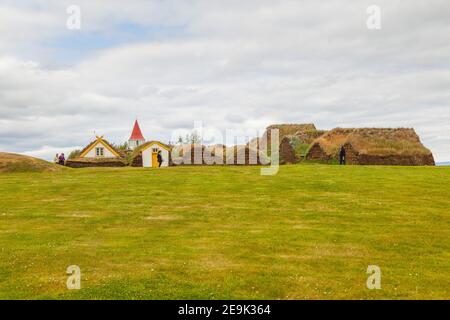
column 230, row 64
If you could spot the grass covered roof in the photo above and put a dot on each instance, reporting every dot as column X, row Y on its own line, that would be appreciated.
column 373, row 141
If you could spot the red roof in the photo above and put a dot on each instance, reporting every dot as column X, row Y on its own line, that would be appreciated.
column 136, row 134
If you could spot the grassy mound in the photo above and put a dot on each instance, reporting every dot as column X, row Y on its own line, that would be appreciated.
column 11, row 162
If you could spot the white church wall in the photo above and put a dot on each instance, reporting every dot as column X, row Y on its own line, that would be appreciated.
column 132, row 144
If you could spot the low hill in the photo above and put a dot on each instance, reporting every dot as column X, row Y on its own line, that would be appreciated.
column 11, row 162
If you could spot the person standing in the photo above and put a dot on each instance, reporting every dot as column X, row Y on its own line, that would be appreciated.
column 62, row 159
column 159, row 158
column 56, row 159
column 342, row 156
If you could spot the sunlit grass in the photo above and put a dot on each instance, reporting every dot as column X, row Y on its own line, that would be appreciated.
column 226, row 232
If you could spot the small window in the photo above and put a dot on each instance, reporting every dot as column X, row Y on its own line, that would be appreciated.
column 99, row 151
column 137, row 142
column 155, row 149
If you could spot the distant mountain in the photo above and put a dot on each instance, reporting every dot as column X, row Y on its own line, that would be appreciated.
column 443, row 163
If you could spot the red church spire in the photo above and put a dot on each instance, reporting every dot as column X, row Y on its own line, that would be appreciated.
column 136, row 134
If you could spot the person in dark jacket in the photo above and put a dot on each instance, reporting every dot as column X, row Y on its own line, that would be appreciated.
column 159, row 158
column 342, row 156
column 62, row 159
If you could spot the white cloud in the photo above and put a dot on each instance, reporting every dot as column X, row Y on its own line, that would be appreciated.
column 235, row 63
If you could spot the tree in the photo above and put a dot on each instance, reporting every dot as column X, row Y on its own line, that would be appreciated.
column 122, row 147
column 194, row 138
column 74, row 154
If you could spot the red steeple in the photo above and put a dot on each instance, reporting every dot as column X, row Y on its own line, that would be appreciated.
column 136, row 134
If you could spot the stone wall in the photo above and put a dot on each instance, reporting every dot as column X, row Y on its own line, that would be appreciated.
column 316, row 153
column 137, row 160
column 86, row 163
column 397, row 160
column 200, row 155
column 242, row 155
column 187, row 155
column 287, row 153
column 351, row 155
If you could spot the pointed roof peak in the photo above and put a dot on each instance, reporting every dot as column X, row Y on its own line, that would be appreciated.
column 136, row 134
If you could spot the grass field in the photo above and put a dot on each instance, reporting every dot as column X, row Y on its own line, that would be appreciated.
column 226, row 233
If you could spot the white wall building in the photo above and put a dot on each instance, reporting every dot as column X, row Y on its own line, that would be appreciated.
column 99, row 148
column 150, row 154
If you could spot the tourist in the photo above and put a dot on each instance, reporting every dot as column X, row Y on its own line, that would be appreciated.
column 56, row 159
column 342, row 156
column 159, row 157
column 62, row 159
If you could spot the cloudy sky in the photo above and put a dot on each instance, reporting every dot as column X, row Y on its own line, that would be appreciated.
column 230, row 64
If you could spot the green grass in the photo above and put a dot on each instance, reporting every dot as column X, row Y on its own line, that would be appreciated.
column 226, row 233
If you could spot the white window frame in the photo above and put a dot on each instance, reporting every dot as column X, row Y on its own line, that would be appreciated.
column 99, row 151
